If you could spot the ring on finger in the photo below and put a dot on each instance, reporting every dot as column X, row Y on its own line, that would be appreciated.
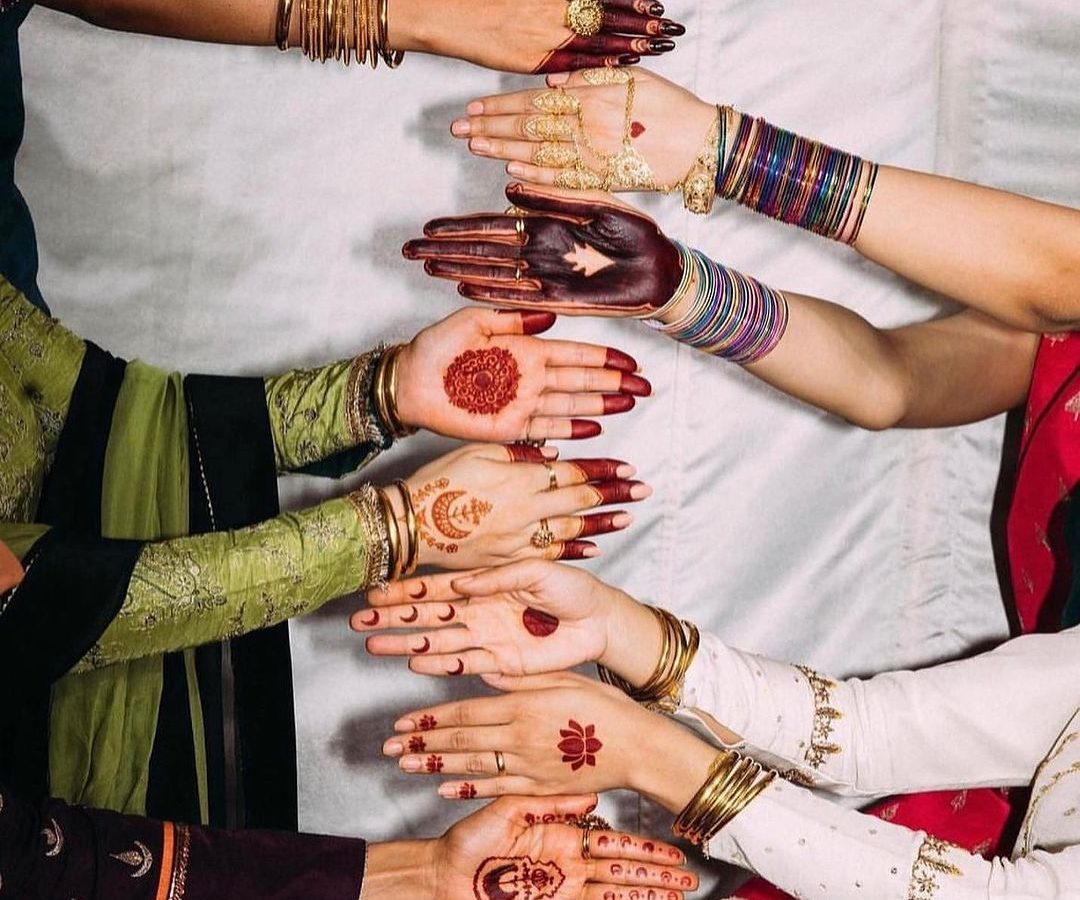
column 553, row 478
column 549, row 128
column 543, row 537
column 519, row 227
column 555, row 155
column 500, row 763
column 556, row 102
column 585, row 17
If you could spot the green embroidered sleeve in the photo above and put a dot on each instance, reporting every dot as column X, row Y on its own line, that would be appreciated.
column 194, row 590
column 39, row 365
column 317, row 413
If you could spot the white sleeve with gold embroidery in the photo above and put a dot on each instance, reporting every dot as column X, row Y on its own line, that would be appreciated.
column 811, row 847
column 984, row 721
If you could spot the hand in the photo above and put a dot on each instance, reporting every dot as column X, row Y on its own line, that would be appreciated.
column 553, row 733
column 479, row 375
column 530, row 35
column 521, row 619
column 669, row 129
column 488, row 504
column 532, row 849
column 579, row 254
column 11, row 570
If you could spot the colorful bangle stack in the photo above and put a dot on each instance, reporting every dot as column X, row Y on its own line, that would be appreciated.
column 384, row 392
column 663, row 690
column 338, row 29
column 796, row 180
column 731, row 316
column 733, row 782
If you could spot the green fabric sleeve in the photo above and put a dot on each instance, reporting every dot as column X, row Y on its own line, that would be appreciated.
column 319, row 413
column 20, row 537
column 193, row 590
column 39, row 365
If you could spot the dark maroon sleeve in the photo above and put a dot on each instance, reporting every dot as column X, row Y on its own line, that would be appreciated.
column 54, row 852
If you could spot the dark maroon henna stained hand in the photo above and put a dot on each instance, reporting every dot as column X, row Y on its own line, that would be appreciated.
column 417, row 744
column 482, row 382
column 517, row 878
column 579, row 745
column 434, row 763
column 539, row 624
column 427, row 723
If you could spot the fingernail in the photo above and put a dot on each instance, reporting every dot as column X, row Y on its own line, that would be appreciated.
column 448, row 791
column 622, row 520
column 661, row 45
column 460, row 127
column 535, row 322
column 616, row 359
column 636, row 385
column 583, row 428
column 408, row 250
column 625, row 470
column 629, row 59
column 672, row 29
column 591, row 551
column 475, row 108
column 411, row 764
column 483, row 145
column 618, row 403
column 515, row 168
column 640, row 491
column 404, row 725
column 393, row 748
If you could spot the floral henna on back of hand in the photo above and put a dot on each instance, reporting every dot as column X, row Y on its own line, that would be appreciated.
column 482, row 382
column 579, row 745
column 517, row 878
column 539, row 624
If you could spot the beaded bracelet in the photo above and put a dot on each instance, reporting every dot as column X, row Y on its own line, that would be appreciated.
column 732, row 315
column 796, row 180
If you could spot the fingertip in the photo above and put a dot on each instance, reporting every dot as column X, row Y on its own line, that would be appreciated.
column 590, row 551
column 536, row 321
column 405, row 724
column 408, row 249
column 549, row 452
column 448, row 791
column 475, row 108
column 640, row 491
column 629, row 59
column 635, row 385
column 624, row 362
column 672, row 29
column 515, row 169
column 584, row 428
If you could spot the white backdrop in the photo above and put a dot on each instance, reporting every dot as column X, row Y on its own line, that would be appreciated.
column 235, row 210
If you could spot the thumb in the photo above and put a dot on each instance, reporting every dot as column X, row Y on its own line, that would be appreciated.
column 524, row 321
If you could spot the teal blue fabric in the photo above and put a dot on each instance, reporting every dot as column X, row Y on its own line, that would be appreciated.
column 1071, row 615
column 18, row 245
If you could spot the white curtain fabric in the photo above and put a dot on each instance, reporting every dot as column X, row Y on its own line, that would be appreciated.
column 239, row 211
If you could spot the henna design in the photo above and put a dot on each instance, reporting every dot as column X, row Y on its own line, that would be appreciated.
column 641, row 872
column 539, row 624
column 665, row 877
column 616, row 870
column 603, row 841
column 482, row 382
column 648, row 847
column 625, row 841
column 427, row 723
column 579, row 745
column 686, row 880
column 411, row 617
column 449, row 617
column 637, row 129
column 587, row 260
column 434, row 763
column 453, row 519
column 421, row 594
column 673, row 853
column 467, row 791
column 374, row 620
column 517, row 878
column 459, row 669
column 423, row 648
column 609, row 895
column 417, row 744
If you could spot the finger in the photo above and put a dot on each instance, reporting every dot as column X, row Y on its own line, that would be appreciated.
column 628, row 43
column 570, row 528
column 635, row 22
column 468, row 662
column 478, row 711
column 545, row 681
column 515, row 576
column 574, row 379
column 574, row 205
column 481, row 224
column 582, row 471
column 418, row 615
column 527, row 322
column 490, row 252
column 514, row 278
column 534, row 174
column 530, row 125
column 445, row 641
column 566, row 59
column 605, row 890
column 619, row 845
column 528, row 453
column 428, row 589
column 576, row 353
column 573, row 550
column 639, row 6
column 449, row 740
column 544, row 428
column 515, row 802
column 624, row 869
column 516, row 151
column 571, row 500
column 553, row 404
column 479, row 764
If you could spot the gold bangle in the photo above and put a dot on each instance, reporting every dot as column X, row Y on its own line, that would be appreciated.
column 393, row 534
column 400, row 430
column 392, row 58
column 411, row 532
column 732, row 784
column 284, row 23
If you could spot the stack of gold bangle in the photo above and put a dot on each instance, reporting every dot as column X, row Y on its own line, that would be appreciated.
column 663, row 691
column 404, row 548
column 734, row 781
column 384, row 391
column 339, row 29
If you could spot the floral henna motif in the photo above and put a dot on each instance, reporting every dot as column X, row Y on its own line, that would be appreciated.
column 539, row 624
column 579, row 745
column 517, row 878
column 467, row 791
column 434, row 763
column 427, row 723
column 482, row 382
column 417, row 744
column 453, row 514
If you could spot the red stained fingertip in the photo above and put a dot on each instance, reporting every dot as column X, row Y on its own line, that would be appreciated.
column 616, row 359
column 636, row 385
column 583, row 428
column 579, row 550
column 532, row 321
column 617, row 403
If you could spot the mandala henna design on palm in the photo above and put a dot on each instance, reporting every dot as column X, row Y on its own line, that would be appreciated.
column 454, row 515
column 482, row 382
column 579, row 745
column 517, row 878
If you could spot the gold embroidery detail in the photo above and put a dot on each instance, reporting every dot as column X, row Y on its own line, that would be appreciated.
column 959, row 801
column 821, row 747
column 140, row 859
column 54, row 838
column 888, row 813
column 931, row 862
column 1072, row 405
column 1040, row 795
column 178, row 882
column 176, row 575
column 797, row 776
column 369, row 511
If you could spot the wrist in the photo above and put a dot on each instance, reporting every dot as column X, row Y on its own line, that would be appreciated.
column 407, row 22
column 679, row 310
column 400, row 870
column 408, row 413
column 634, row 641
column 676, row 766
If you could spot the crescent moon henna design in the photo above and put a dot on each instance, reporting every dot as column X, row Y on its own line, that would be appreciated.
column 411, row 617
column 539, row 624
column 420, row 594
column 454, row 514
column 459, row 669
column 517, row 878
column 579, row 745
column 450, row 615
column 423, row 648
column 482, row 382
column 373, row 621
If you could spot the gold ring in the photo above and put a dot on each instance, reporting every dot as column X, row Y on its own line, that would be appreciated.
column 517, row 272
column 553, row 479
column 556, row 102
column 500, row 763
column 555, row 155
column 585, row 17
column 585, row 854
column 549, row 128
column 534, row 442
column 580, row 179
column 543, row 537
column 519, row 226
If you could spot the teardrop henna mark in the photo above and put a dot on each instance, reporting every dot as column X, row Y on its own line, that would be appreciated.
column 421, row 594
column 427, row 723
column 417, row 744
column 459, row 669
column 686, row 880
column 641, row 872
column 374, row 620
column 482, row 382
column 616, row 870
column 449, row 617
column 434, row 763
column 539, row 624
column 648, row 846
column 423, row 648
column 665, row 877
column 412, row 617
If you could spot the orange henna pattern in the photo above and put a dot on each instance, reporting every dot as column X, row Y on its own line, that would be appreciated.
column 482, row 382
column 454, row 514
